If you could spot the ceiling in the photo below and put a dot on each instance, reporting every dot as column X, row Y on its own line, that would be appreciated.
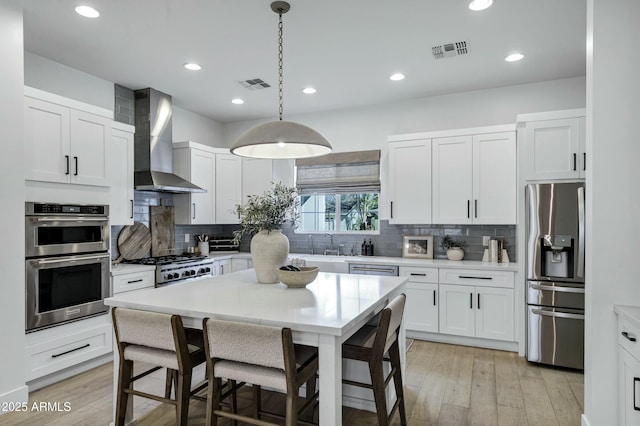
column 345, row 49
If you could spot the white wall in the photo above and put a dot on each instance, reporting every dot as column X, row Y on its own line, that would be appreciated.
column 189, row 126
column 12, row 383
column 613, row 200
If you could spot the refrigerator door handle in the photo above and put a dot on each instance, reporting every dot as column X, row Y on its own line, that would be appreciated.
column 581, row 228
column 557, row 288
column 557, row 314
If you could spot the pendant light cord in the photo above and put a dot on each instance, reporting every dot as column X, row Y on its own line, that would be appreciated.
column 280, row 63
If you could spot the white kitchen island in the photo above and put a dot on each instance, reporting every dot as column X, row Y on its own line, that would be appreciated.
column 324, row 314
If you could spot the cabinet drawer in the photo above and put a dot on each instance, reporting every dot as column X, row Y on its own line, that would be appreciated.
column 477, row 277
column 419, row 274
column 66, row 351
column 133, row 281
column 626, row 335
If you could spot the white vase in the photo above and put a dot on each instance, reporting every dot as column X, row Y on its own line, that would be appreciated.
column 455, row 253
column 269, row 251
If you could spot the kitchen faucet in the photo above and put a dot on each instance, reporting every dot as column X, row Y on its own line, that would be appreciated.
column 332, row 250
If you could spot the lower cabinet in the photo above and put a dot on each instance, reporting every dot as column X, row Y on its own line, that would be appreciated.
column 240, row 264
column 628, row 366
column 477, row 303
column 421, row 309
column 224, row 266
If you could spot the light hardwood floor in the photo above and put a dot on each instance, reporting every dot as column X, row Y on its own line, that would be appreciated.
column 444, row 385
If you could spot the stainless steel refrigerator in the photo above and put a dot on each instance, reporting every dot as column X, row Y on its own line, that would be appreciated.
column 555, row 238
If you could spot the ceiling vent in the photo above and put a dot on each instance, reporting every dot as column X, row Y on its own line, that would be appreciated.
column 449, row 50
column 254, row 84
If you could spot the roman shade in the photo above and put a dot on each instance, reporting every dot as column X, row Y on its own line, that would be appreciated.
column 339, row 173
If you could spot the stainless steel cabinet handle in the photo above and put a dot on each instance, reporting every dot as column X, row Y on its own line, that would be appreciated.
column 557, row 314
column 468, row 277
column 629, row 338
column 69, row 351
column 357, row 268
column 558, row 289
column 194, row 210
column 76, row 161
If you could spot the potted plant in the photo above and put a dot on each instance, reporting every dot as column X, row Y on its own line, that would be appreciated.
column 263, row 216
column 453, row 247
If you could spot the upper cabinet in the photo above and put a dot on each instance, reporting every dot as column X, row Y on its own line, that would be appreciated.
column 553, row 145
column 257, row 175
column 409, row 180
column 474, row 179
column 197, row 164
column 228, row 187
column 65, row 141
column 121, row 171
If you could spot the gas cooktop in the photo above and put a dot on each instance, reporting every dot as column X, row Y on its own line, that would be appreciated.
column 166, row 260
column 178, row 268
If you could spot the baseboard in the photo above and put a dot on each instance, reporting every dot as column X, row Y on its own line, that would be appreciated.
column 584, row 421
column 17, row 396
column 69, row 372
column 462, row 340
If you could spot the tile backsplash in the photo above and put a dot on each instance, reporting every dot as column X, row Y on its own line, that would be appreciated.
column 387, row 243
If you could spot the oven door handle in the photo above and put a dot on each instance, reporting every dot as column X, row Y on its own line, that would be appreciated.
column 71, row 259
column 70, row 219
column 557, row 314
column 558, row 289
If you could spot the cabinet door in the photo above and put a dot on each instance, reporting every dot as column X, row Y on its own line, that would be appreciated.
column 228, row 187
column 202, row 204
column 121, row 171
column 90, row 137
column 410, row 182
column 257, row 175
column 582, row 143
column 452, row 178
column 494, row 313
column 421, row 310
column 46, row 141
column 552, row 149
column 225, row 266
column 629, row 388
column 494, row 179
column 457, row 314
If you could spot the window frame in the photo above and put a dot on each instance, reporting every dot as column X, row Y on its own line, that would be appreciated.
column 337, row 220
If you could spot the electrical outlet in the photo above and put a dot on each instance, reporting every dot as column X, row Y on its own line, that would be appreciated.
column 485, row 240
column 187, row 238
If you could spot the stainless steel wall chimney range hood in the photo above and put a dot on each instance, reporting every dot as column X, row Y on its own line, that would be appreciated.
column 153, row 148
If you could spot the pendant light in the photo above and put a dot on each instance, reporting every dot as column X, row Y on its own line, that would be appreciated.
column 280, row 139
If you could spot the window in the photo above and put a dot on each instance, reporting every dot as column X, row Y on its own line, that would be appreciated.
column 339, row 213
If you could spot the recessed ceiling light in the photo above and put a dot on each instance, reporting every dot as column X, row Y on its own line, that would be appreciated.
column 397, row 76
column 87, row 11
column 309, row 90
column 514, row 57
column 237, row 101
column 480, row 4
column 192, row 66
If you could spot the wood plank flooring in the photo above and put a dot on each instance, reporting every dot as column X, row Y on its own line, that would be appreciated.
column 444, row 385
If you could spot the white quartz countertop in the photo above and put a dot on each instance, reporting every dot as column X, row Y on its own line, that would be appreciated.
column 130, row 268
column 403, row 261
column 630, row 313
column 331, row 304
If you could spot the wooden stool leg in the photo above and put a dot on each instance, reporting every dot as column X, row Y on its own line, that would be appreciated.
column 213, row 400
column 292, row 407
column 183, row 391
column 377, row 382
column 234, row 401
column 394, row 354
column 124, row 381
column 257, row 401
column 169, row 382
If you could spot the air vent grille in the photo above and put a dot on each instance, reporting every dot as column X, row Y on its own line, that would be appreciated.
column 449, row 50
column 254, row 84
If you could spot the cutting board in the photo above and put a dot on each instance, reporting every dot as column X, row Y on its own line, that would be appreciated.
column 134, row 241
column 162, row 221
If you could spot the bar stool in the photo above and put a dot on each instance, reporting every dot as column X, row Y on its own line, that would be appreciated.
column 161, row 340
column 261, row 356
column 369, row 344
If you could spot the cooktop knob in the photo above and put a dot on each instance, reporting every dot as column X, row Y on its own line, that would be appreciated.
column 207, row 269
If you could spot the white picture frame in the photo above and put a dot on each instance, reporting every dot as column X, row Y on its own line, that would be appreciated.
column 417, row 246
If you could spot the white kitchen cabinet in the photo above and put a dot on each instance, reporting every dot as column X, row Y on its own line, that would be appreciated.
column 553, row 145
column 121, row 172
column 65, row 141
column 199, row 167
column 132, row 277
column 409, row 189
column 474, row 179
column 481, row 307
column 228, row 187
column 240, row 264
column 224, row 266
column 257, row 175
column 628, row 365
column 421, row 309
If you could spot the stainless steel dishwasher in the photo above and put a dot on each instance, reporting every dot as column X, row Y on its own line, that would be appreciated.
column 368, row 269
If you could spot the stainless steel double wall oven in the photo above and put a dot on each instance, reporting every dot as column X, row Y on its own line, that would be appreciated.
column 67, row 262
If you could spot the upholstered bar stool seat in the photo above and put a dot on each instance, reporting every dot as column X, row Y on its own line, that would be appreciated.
column 160, row 340
column 261, row 356
column 370, row 344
